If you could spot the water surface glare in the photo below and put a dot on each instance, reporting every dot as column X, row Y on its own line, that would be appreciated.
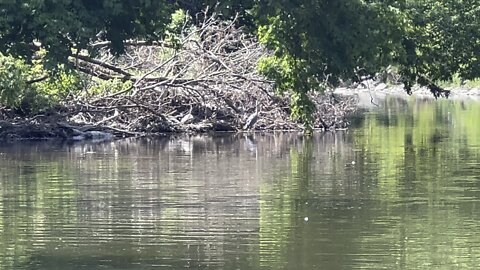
column 400, row 190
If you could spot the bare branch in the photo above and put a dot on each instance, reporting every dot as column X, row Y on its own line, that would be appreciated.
column 210, row 82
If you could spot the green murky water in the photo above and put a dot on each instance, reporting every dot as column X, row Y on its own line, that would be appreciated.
column 401, row 190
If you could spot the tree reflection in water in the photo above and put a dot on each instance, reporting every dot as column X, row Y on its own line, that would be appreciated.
column 399, row 191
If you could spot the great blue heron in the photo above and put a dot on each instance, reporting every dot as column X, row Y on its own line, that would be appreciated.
column 252, row 119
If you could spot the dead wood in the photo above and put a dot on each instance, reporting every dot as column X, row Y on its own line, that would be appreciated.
column 210, row 83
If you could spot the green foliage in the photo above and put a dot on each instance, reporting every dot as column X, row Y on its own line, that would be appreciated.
column 12, row 82
column 319, row 41
column 316, row 43
column 45, row 94
column 103, row 87
column 289, row 75
column 53, row 29
column 335, row 39
column 457, row 82
column 17, row 89
column 442, row 41
column 60, row 25
column 179, row 20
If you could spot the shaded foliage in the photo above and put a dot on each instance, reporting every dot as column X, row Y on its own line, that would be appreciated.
column 442, row 40
column 322, row 43
column 28, row 89
column 319, row 43
column 62, row 25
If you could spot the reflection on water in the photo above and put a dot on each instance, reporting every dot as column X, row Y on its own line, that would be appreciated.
column 399, row 191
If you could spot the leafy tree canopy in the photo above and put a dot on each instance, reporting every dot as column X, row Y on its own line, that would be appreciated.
column 442, row 39
column 61, row 25
column 322, row 41
column 317, row 42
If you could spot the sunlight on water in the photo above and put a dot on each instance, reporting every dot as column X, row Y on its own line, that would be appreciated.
column 400, row 190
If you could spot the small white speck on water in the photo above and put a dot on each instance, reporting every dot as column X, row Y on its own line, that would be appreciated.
column 305, row 218
column 353, row 162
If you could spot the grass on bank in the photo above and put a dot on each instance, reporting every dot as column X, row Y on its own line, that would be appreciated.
column 459, row 83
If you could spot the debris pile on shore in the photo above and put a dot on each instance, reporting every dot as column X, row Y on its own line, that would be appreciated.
column 209, row 82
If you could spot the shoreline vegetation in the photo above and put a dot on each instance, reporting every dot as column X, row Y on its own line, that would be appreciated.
column 204, row 80
column 200, row 78
column 79, row 120
column 62, row 122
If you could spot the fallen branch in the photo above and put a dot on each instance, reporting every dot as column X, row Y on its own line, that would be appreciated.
column 36, row 80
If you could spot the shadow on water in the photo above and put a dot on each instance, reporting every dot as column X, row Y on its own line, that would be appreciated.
column 401, row 190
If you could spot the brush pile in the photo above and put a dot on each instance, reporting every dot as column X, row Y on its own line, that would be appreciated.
column 203, row 80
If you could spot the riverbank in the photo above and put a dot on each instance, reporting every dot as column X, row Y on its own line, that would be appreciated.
column 267, row 112
column 206, row 85
column 259, row 110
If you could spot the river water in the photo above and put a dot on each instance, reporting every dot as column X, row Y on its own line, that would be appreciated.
column 399, row 190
